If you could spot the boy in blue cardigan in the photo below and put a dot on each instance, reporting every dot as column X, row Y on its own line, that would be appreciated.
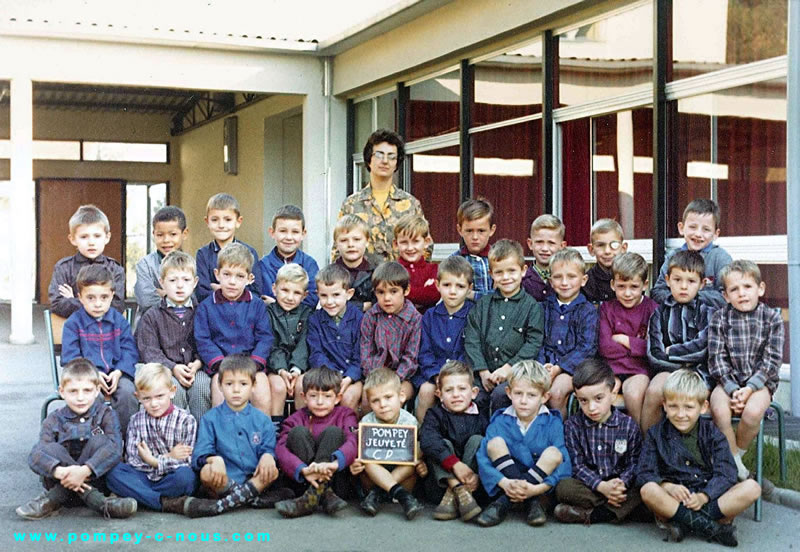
column 234, row 321
column 334, row 331
column 288, row 230
column 101, row 334
column 523, row 455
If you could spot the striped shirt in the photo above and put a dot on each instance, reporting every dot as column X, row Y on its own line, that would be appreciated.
column 175, row 427
column 746, row 348
column 678, row 335
column 391, row 340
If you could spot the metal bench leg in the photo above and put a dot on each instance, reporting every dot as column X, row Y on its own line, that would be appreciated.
column 781, row 439
column 759, row 467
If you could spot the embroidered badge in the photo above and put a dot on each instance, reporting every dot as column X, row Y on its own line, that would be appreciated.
column 97, row 431
column 256, row 438
column 620, row 446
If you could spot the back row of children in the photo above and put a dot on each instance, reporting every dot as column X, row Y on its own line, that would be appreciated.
column 561, row 336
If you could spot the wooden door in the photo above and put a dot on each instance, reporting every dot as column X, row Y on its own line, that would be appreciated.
column 56, row 200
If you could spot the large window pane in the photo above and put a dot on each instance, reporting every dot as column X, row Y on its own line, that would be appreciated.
column 387, row 110
column 606, row 58
column 713, row 34
column 433, row 107
column 435, row 182
column 732, row 148
column 508, row 86
column 507, row 167
column 363, row 122
column 576, row 174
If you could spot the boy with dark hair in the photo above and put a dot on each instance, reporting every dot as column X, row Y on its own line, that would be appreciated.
column 678, row 331
column 78, row 444
column 686, row 471
column 89, row 232
column 169, row 231
column 699, row 227
column 604, row 446
column 288, row 229
column 103, row 336
column 235, row 449
column 450, row 438
column 223, row 218
column 317, row 444
column 391, row 330
column 334, row 333
column 475, row 225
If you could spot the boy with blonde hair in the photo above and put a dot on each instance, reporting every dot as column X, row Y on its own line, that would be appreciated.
column 476, row 227
column 523, row 456
column 223, row 218
column 386, row 396
column 699, row 227
column 334, row 333
column 504, row 327
column 546, row 239
column 89, row 232
column 622, row 331
column 350, row 237
column 158, row 446
column 78, row 444
column 606, row 243
column 411, row 240
column 391, row 330
column 165, row 334
column 686, row 471
column 570, row 325
column 288, row 229
column 103, row 336
column 234, row 321
column 745, row 352
column 288, row 316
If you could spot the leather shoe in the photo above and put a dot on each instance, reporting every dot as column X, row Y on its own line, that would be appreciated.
column 567, row 513
column 536, row 515
column 494, row 513
column 372, row 501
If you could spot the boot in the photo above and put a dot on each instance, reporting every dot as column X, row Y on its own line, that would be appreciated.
column 44, row 505
column 447, row 508
column 467, row 505
column 372, row 501
column 270, row 497
column 119, row 508
column 699, row 523
column 331, row 502
column 495, row 512
column 567, row 513
column 298, row 507
column 411, row 506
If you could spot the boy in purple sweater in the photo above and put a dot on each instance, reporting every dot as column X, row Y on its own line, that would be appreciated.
column 317, row 444
column 232, row 320
column 622, row 330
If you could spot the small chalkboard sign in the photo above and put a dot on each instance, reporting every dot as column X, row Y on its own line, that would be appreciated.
column 387, row 444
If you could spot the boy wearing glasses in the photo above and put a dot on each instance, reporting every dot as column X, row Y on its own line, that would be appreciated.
column 606, row 242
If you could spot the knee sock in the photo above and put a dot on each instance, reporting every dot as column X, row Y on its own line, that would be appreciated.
column 238, row 496
column 713, row 510
column 534, row 475
column 697, row 521
column 508, row 467
column 277, row 421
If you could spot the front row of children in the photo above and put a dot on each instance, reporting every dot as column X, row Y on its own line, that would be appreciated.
column 595, row 466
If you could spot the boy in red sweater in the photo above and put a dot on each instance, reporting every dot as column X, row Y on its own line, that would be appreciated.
column 412, row 238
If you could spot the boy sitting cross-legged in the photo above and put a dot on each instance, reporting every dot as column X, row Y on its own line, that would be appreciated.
column 102, row 335
column 386, row 397
column 334, row 332
column 234, row 451
column 234, row 321
column 604, row 446
column 505, row 326
column 443, row 329
column 570, row 325
column 317, row 443
column 523, row 455
column 288, row 230
column 411, row 239
column 390, row 330
column 165, row 334
column 159, row 444
column 745, row 351
column 546, row 239
column 89, row 232
column 622, row 331
column 288, row 316
column 450, row 437
column 677, row 332
column 77, row 446
column 686, row 470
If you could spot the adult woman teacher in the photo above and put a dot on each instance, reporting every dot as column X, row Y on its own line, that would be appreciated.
column 381, row 204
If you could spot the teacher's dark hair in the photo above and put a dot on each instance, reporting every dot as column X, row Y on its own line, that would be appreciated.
column 390, row 137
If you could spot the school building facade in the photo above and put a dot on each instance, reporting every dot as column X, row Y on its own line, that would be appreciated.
column 586, row 109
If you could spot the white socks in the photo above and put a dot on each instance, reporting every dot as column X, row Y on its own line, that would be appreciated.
column 742, row 472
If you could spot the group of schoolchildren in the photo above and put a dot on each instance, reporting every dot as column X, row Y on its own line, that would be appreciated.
column 479, row 351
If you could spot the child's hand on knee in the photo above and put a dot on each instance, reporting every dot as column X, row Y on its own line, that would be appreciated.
column 421, row 468
column 696, row 501
column 266, row 470
column 217, row 474
column 486, row 380
column 357, row 467
column 678, row 492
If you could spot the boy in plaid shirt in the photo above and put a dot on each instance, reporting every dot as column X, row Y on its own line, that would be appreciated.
column 604, row 446
column 391, row 330
column 745, row 351
column 159, row 444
